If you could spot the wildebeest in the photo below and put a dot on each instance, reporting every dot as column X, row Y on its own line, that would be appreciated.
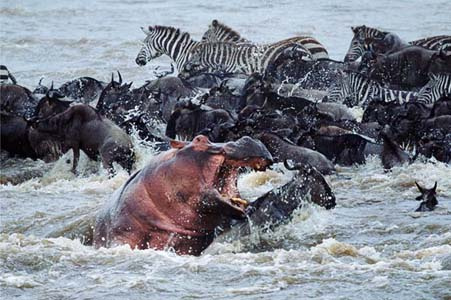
column 80, row 127
column 427, row 198
column 189, row 120
column 282, row 150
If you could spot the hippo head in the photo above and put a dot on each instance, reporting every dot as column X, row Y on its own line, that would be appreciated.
column 219, row 164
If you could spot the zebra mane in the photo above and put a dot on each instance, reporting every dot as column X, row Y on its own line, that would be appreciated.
column 364, row 28
column 229, row 30
column 171, row 29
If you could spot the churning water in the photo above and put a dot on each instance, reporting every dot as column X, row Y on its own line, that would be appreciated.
column 371, row 246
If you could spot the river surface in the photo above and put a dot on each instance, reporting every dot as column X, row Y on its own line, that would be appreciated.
column 371, row 246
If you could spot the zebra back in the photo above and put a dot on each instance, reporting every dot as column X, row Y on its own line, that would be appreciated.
column 356, row 89
column 242, row 58
column 439, row 42
column 219, row 32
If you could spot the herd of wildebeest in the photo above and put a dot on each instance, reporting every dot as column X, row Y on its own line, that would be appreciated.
column 241, row 105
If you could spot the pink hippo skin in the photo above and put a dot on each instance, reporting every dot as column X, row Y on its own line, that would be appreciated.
column 180, row 197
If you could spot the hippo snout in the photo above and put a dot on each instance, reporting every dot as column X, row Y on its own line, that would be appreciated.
column 249, row 152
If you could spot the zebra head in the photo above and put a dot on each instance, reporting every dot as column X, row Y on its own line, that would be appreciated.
column 219, row 32
column 350, row 90
column 438, row 85
column 149, row 49
column 210, row 35
column 359, row 42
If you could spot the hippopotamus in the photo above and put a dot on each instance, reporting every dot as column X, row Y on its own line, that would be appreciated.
column 81, row 127
column 427, row 198
column 180, row 197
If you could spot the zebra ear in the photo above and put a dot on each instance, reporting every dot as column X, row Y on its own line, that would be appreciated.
column 146, row 31
column 214, row 22
column 354, row 29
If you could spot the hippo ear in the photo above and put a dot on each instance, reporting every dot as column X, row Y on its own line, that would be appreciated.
column 177, row 144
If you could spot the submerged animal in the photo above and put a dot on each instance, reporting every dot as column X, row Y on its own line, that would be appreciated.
column 180, row 197
column 427, row 198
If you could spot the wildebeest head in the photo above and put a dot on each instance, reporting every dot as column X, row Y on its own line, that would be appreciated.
column 114, row 97
column 429, row 201
column 320, row 191
column 51, row 104
column 41, row 89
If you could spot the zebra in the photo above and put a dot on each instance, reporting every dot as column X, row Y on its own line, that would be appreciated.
column 439, row 85
column 6, row 76
column 166, row 40
column 356, row 89
column 226, row 57
column 365, row 38
column 219, row 32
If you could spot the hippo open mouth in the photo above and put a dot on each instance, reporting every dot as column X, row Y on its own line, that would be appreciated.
column 244, row 153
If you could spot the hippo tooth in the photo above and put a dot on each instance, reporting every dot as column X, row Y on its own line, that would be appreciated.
column 239, row 201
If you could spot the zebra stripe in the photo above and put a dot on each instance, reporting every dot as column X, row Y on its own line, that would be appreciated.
column 218, row 32
column 169, row 41
column 437, row 87
column 365, row 36
column 5, row 76
column 360, row 90
column 440, row 42
column 238, row 58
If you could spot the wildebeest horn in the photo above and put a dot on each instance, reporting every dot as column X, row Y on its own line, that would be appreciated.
column 435, row 187
column 40, row 80
column 120, row 77
column 112, row 80
column 419, row 187
column 51, row 86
